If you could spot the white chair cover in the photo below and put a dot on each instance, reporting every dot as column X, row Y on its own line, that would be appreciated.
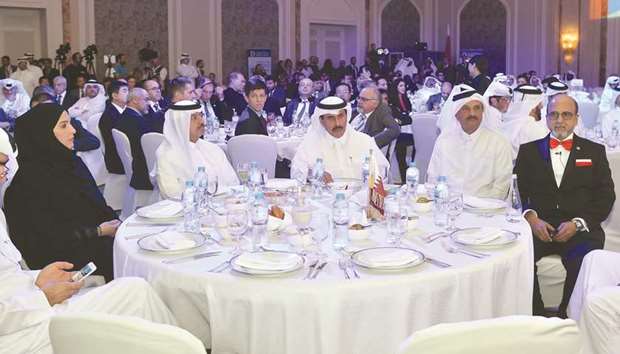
column 133, row 198
column 388, row 151
column 150, row 142
column 114, row 190
column 588, row 112
column 97, row 333
column 425, row 132
column 595, row 303
column 253, row 147
column 551, row 277
column 506, row 335
column 611, row 226
column 94, row 159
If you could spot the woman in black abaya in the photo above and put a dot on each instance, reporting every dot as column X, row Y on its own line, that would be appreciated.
column 53, row 207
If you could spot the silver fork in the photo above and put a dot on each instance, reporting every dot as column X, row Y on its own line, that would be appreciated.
column 432, row 237
column 352, row 267
column 311, row 268
column 454, row 249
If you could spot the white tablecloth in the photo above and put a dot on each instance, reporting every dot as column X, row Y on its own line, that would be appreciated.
column 238, row 314
column 287, row 147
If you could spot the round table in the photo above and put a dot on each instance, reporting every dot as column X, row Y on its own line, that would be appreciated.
column 287, row 147
column 232, row 313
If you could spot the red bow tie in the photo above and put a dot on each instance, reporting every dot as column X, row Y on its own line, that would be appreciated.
column 566, row 144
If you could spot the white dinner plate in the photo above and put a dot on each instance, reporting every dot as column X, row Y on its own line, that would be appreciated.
column 267, row 263
column 484, row 237
column 387, row 258
column 165, row 209
column 171, row 241
column 483, row 204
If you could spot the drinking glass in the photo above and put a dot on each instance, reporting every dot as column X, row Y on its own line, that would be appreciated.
column 272, row 128
column 243, row 171
column 237, row 219
column 228, row 128
column 396, row 219
column 455, row 208
column 221, row 134
column 302, row 216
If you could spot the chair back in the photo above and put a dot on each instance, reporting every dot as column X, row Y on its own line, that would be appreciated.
column 588, row 113
column 123, row 148
column 506, row 335
column 97, row 333
column 612, row 224
column 254, row 147
column 150, row 142
column 425, row 132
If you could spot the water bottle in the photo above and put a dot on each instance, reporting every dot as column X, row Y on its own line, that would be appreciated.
column 441, row 196
column 235, row 120
column 317, row 176
column 513, row 207
column 365, row 170
column 260, row 217
column 411, row 178
column 190, row 221
column 254, row 177
column 340, row 212
column 201, row 183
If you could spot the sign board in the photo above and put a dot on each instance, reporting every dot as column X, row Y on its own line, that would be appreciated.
column 259, row 56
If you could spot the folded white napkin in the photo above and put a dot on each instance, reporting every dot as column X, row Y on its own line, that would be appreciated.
column 480, row 236
column 163, row 209
column 275, row 224
column 271, row 261
column 483, row 203
column 386, row 257
column 172, row 240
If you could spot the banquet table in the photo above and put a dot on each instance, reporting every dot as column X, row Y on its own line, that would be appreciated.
column 235, row 313
column 287, row 147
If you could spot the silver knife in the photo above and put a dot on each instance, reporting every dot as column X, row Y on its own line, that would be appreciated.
column 311, row 268
column 318, row 269
column 191, row 258
column 437, row 263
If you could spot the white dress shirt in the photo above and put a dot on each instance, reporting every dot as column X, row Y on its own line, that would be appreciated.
column 479, row 164
column 559, row 159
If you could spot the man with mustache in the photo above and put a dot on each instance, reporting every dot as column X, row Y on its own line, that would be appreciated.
column 476, row 159
column 332, row 139
column 567, row 191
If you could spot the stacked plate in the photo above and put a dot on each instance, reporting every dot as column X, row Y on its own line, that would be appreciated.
column 483, row 205
column 484, row 237
column 171, row 241
column 268, row 263
column 387, row 258
column 162, row 210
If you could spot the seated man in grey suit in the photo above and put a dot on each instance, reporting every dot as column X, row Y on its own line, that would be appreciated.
column 376, row 117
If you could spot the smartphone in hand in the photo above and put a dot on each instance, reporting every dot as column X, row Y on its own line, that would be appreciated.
column 88, row 269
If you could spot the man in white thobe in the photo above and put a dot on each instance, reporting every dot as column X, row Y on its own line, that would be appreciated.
column 14, row 100
column 497, row 97
column 183, row 151
column 610, row 92
column 524, row 122
column 446, row 115
column 186, row 68
column 92, row 103
column 28, row 299
column 28, row 76
column 332, row 139
column 473, row 157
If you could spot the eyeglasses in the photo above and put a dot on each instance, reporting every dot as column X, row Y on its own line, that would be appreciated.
column 554, row 115
column 366, row 99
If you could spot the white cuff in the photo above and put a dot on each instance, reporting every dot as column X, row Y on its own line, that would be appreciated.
column 527, row 211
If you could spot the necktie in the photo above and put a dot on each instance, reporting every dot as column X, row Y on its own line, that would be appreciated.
column 302, row 111
column 58, row 99
column 207, row 113
column 156, row 107
column 566, row 144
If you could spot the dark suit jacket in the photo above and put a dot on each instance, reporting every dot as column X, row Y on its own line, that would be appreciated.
column 154, row 121
column 253, row 125
column 222, row 110
column 108, row 121
column 69, row 100
column 275, row 99
column 585, row 191
column 382, row 126
column 3, row 73
column 480, row 83
column 134, row 126
column 291, row 107
column 433, row 100
column 235, row 100
column 83, row 139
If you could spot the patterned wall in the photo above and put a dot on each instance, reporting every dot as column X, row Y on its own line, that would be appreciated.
column 247, row 24
column 124, row 27
column 400, row 25
column 483, row 26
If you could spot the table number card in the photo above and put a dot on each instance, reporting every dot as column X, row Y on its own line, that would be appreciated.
column 376, row 198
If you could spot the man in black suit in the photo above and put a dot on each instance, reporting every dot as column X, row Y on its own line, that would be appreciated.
column 302, row 105
column 134, row 125
column 213, row 102
column 352, row 68
column 377, row 116
column 233, row 95
column 478, row 67
column 256, row 123
column 63, row 97
column 155, row 106
column 567, row 191
column 7, row 68
column 438, row 99
column 109, row 118
column 276, row 96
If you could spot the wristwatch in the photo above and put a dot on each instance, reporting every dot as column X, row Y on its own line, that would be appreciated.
column 580, row 226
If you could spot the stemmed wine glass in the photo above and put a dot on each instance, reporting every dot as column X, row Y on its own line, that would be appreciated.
column 237, row 219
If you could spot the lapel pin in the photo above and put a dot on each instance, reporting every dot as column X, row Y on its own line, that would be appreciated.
column 578, row 148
